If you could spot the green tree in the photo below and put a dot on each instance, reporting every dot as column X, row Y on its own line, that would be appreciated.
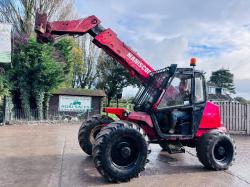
column 112, row 76
column 68, row 53
column 77, row 64
column 34, row 75
column 4, row 83
column 85, row 72
column 223, row 78
column 63, row 55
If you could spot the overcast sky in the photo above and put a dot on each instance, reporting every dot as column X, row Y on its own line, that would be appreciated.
column 217, row 32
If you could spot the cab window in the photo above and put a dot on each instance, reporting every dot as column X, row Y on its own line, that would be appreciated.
column 178, row 92
column 199, row 88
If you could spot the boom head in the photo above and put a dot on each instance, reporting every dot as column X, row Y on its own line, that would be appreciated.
column 40, row 22
column 42, row 28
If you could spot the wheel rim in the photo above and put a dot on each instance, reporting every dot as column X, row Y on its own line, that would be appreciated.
column 93, row 133
column 223, row 152
column 124, row 152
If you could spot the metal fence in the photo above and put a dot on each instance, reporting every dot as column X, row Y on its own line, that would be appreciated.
column 33, row 115
column 235, row 116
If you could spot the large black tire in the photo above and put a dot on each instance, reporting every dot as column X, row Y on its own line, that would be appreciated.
column 216, row 150
column 88, row 131
column 120, row 151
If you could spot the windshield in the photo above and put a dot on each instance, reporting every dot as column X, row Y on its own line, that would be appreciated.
column 148, row 94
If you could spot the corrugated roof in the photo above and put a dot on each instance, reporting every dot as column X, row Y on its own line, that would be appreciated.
column 79, row 91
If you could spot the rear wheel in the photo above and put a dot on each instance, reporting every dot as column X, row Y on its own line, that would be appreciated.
column 120, row 151
column 88, row 131
column 216, row 150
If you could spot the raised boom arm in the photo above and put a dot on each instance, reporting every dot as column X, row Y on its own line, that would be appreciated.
column 103, row 38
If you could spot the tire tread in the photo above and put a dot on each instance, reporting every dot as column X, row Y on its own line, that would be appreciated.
column 103, row 138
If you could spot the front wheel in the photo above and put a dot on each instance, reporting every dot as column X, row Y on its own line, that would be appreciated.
column 216, row 150
column 88, row 131
column 120, row 151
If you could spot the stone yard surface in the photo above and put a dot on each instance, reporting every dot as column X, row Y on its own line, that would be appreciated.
column 49, row 155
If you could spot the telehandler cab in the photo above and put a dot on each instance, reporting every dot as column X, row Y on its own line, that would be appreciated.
column 170, row 109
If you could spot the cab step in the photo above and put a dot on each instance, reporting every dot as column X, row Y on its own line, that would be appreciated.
column 173, row 148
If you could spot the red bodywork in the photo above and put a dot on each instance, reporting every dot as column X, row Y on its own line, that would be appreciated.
column 119, row 112
column 108, row 41
column 145, row 122
column 137, row 67
column 210, row 119
column 141, row 118
column 105, row 39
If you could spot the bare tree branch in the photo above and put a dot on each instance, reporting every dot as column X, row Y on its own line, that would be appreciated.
column 21, row 13
column 85, row 78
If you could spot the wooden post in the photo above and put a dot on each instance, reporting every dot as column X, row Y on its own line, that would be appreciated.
column 248, row 119
column 6, row 112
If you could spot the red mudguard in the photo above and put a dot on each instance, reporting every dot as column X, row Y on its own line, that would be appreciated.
column 119, row 112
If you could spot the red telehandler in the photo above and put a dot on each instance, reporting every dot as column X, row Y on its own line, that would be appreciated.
column 170, row 109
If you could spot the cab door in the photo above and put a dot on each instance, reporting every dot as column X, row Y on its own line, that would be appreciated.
column 176, row 97
column 199, row 99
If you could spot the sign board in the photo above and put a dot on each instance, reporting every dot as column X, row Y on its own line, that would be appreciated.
column 74, row 103
column 5, row 43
